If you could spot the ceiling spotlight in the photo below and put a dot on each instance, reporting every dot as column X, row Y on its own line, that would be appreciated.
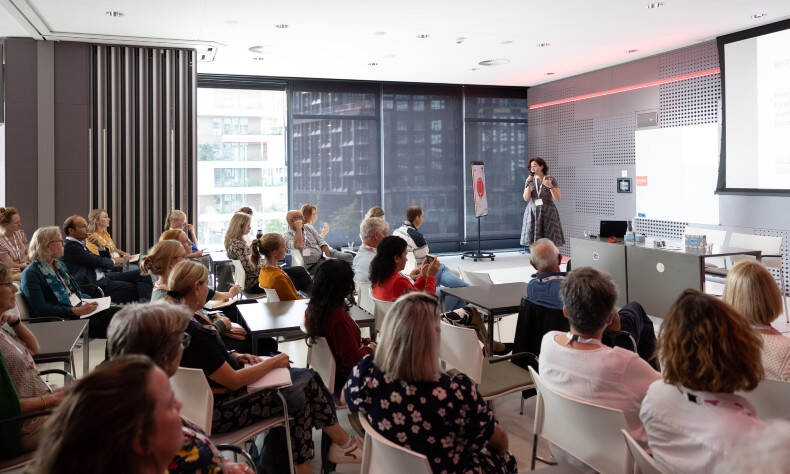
column 256, row 49
column 549, row 73
column 544, row 44
column 114, row 13
column 373, row 64
column 460, row 39
column 388, row 56
column 379, row 33
column 231, row 22
column 423, row 35
column 475, row 69
column 494, row 62
column 631, row 51
column 655, row 5
column 757, row 16
column 506, row 42
column 281, row 26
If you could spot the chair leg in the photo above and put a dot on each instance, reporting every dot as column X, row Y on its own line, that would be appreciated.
column 534, row 451
column 287, row 433
column 521, row 411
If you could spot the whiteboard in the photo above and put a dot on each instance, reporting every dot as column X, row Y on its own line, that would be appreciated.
column 676, row 173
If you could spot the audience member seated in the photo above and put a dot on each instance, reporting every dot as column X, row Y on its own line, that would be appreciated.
column 183, row 283
column 375, row 211
column 327, row 316
column 18, row 346
column 707, row 351
column 157, row 331
column 120, row 418
column 541, row 310
column 576, row 363
column 181, row 237
column 310, row 214
column 306, row 239
column 98, row 222
column 51, row 291
column 272, row 248
column 753, row 292
column 372, row 230
column 237, row 249
column 387, row 282
column 86, row 268
column 406, row 397
column 13, row 242
column 229, row 373
column 177, row 220
column 419, row 248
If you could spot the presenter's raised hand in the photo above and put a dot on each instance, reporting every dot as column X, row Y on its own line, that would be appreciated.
column 547, row 180
column 530, row 178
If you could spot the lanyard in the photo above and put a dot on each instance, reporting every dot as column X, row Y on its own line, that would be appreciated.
column 583, row 340
column 13, row 245
column 57, row 273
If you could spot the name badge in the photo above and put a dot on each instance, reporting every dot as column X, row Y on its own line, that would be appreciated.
column 74, row 299
column 538, row 202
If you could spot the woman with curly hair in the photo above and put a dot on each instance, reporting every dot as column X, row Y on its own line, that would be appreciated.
column 327, row 316
column 707, row 352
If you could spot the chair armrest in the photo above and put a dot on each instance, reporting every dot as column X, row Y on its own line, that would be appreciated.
column 237, row 450
column 25, row 416
column 67, row 375
column 92, row 290
column 518, row 355
column 42, row 319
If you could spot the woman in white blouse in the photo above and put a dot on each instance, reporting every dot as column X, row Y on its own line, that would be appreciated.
column 753, row 292
column 707, row 352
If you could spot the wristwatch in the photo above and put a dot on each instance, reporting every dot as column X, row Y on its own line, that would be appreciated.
column 15, row 324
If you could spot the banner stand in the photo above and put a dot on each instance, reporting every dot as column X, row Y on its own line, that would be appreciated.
column 481, row 209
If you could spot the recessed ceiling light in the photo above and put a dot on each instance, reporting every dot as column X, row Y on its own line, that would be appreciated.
column 388, row 56
column 231, row 22
column 114, row 13
column 373, row 64
column 655, row 5
column 423, row 35
column 506, row 42
column 257, row 58
column 379, row 33
column 281, row 26
column 475, row 69
column 256, row 49
column 757, row 16
column 460, row 39
column 549, row 73
column 494, row 62
column 545, row 44
column 631, row 51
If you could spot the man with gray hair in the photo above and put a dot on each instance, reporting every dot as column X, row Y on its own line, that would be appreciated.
column 372, row 230
column 544, row 288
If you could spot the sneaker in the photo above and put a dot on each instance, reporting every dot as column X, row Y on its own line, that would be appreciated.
column 349, row 455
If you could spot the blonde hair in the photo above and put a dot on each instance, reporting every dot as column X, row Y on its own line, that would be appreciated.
column 236, row 227
column 408, row 345
column 264, row 246
column 43, row 236
column 174, row 214
column 6, row 213
column 159, row 257
column 93, row 216
column 375, row 211
column 753, row 292
column 183, row 278
column 171, row 234
column 308, row 211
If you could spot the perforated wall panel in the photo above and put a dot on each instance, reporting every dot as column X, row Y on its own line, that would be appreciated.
column 693, row 101
column 613, row 140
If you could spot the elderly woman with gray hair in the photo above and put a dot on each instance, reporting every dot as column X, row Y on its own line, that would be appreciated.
column 158, row 331
column 409, row 400
column 51, row 291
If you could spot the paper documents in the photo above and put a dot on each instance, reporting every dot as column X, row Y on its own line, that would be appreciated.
column 275, row 378
column 103, row 303
column 212, row 304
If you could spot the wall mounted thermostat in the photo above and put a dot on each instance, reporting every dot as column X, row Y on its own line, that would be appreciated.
column 623, row 185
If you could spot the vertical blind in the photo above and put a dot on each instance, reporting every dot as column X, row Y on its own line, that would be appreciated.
column 142, row 137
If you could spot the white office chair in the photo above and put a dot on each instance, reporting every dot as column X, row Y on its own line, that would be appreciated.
column 411, row 263
column 21, row 305
column 364, row 298
column 321, row 359
column 239, row 275
column 382, row 456
column 588, row 432
column 712, row 236
column 271, row 295
column 297, row 259
column 770, row 399
column 771, row 248
column 643, row 461
column 380, row 309
column 191, row 388
column 460, row 348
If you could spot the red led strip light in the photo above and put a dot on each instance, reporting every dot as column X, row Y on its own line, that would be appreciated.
column 632, row 87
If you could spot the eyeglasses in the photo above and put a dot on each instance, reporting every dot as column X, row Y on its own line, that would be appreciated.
column 185, row 340
column 8, row 284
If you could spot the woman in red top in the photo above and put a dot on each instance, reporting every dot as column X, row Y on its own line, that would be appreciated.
column 327, row 316
column 387, row 282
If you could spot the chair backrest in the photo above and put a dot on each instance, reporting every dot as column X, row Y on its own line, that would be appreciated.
column 460, row 348
column 643, row 462
column 239, row 275
column 297, row 260
column 411, row 263
column 476, row 278
column 768, row 245
column 364, row 298
column 770, row 399
column 271, row 295
column 589, row 432
column 22, row 306
column 321, row 359
column 382, row 456
column 713, row 236
column 380, row 309
column 191, row 388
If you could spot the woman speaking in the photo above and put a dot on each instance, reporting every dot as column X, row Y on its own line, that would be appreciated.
column 541, row 218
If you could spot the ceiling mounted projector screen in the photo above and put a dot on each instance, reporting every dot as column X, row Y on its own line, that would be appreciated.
column 755, row 71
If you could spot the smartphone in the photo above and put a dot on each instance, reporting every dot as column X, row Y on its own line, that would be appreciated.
column 429, row 258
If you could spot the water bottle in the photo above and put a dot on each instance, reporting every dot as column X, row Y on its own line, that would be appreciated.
column 259, row 234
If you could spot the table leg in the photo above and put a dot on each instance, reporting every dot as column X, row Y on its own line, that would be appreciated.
column 490, row 344
column 86, row 351
column 441, row 302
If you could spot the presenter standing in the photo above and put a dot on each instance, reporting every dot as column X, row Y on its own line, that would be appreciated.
column 541, row 218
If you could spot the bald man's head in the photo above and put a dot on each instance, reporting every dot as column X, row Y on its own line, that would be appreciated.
column 544, row 256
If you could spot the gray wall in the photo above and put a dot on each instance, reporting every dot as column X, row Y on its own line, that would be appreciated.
column 588, row 143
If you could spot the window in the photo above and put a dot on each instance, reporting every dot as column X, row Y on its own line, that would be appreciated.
column 241, row 160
